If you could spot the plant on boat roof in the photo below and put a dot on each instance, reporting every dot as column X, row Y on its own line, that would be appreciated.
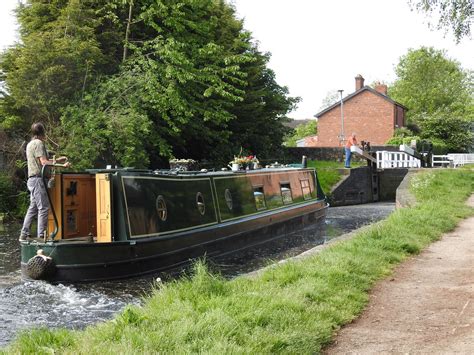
column 240, row 159
column 188, row 161
column 244, row 160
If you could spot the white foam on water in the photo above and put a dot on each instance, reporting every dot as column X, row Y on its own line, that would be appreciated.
column 38, row 303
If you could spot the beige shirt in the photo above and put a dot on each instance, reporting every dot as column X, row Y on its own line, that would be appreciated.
column 34, row 150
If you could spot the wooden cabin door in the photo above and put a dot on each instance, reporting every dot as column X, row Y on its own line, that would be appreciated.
column 103, row 203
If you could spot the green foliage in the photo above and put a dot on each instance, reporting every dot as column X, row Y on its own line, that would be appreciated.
column 439, row 147
column 293, row 307
column 439, row 96
column 193, row 85
column 58, row 56
column 455, row 15
column 328, row 173
column 22, row 204
column 260, row 117
column 402, row 140
column 301, row 131
column 43, row 341
column 7, row 192
column 131, row 316
column 450, row 128
column 403, row 132
column 402, row 136
column 110, row 126
column 12, row 202
column 427, row 81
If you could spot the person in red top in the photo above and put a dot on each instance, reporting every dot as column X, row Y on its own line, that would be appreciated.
column 350, row 142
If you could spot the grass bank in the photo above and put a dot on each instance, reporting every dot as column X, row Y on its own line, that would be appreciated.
column 291, row 308
column 328, row 172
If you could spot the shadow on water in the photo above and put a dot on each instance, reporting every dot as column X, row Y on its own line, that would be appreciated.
column 28, row 304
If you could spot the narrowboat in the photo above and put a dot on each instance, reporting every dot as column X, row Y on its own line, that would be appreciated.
column 118, row 223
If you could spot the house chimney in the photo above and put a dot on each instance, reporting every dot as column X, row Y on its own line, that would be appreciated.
column 381, row 88
column 359, row 82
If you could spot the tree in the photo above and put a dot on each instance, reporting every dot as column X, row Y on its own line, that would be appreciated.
column 109, row 126
column 437, row 92
column 454, row 14
column 260, row 117
column 179, row 82
column 133, row 82
column 452, row 128
column 58, row 57
column 302, row 131
column 427, row 80
column 331, row 98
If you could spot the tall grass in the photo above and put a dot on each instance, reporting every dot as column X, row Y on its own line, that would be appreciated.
column 294, row 307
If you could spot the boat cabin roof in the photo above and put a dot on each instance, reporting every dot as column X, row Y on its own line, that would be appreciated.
column 204, row 172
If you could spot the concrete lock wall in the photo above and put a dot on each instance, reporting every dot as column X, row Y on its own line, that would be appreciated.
column 389, row 181
column 365, row 184
column 354, row 188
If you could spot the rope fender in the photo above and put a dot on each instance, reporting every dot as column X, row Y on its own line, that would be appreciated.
column 40, row 266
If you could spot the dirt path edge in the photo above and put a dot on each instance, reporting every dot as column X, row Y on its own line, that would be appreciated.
column 426, row 306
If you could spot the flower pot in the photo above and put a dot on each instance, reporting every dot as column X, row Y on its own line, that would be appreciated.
column 235, row 167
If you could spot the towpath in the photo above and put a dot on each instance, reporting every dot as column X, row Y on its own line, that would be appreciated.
column 426, row 306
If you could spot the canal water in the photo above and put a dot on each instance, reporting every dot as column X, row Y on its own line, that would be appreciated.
column 25, row 304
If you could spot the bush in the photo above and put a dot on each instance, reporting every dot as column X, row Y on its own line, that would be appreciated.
column 22, row 203
column 402, row 140
column 439, row 147
column 303, row 130
column 7, row 193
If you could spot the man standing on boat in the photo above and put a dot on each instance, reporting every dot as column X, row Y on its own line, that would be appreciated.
column 350, row 142
column 37, row 157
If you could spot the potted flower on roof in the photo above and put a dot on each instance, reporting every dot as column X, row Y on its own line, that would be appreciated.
column 244, row 162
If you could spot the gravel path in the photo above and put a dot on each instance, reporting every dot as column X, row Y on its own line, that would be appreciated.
column 426, row 306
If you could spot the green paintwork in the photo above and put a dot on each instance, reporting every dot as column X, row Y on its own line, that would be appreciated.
column 180, row 195
column 240, row 209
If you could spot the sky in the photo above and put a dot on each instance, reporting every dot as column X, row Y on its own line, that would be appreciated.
column 320, row 46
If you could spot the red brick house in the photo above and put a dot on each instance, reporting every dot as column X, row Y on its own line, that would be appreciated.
column 368, row 112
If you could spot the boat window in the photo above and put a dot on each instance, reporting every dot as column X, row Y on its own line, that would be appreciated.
column 306, row 189
column 200, row 203
column 259, row 197
column 228, row 199
column 285, row 190
column 161, row 208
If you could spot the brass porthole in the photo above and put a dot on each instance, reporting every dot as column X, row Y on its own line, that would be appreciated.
column 201, row 206
column 228, row 199
column 161, row 208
